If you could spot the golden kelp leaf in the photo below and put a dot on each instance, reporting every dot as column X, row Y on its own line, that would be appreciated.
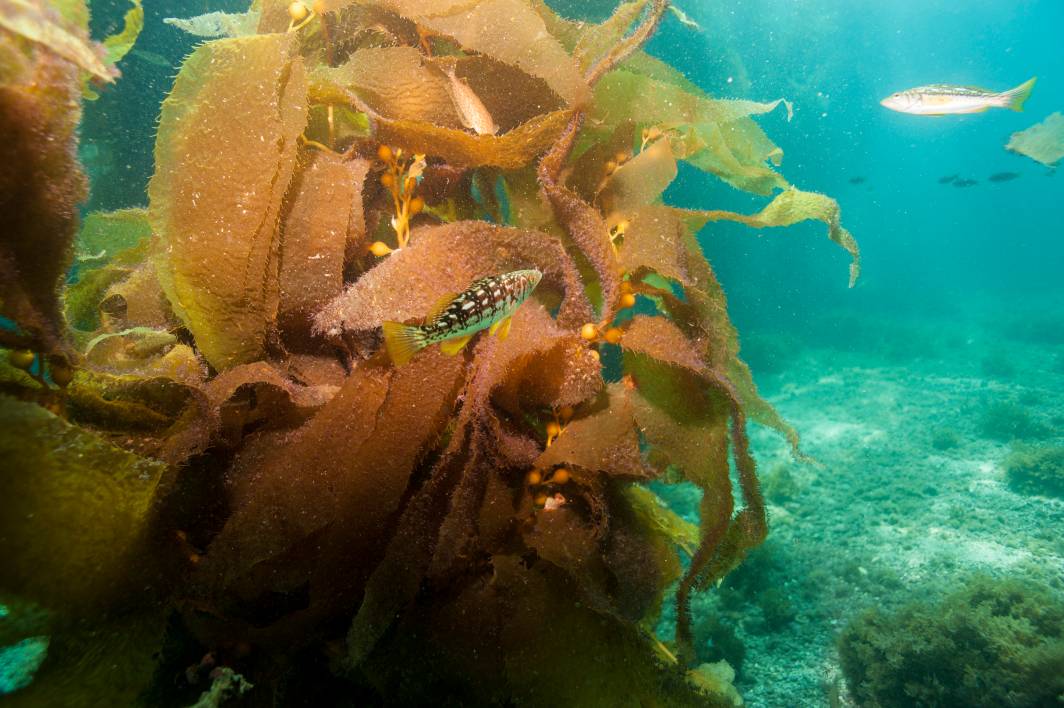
column 396, row 83
column 1043, row 142
column 656, row 515
column 138, row 401
column 441, row 260
column 791, row 206
column 654, row 240
column 511, row 150
column 74, row 511
column 37, row 22
column 315, row 233
column 119, row 44
column 737, row 152
column 508, row 30
column 147, row 352
column 595, row 41
column 625, row 95
column 216, row 193
column 217, row 24
column 641, row 180
column 716, row 135
column 260, row 397
column 605, row 441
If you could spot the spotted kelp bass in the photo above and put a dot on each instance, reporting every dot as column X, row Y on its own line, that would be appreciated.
column 488, row 303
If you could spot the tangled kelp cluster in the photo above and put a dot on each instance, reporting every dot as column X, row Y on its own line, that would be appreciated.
column 228, row 469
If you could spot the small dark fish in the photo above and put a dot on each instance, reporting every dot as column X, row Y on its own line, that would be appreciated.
column 948, row 178
column 965, row 183
column 1004, row 176
column 857, row 180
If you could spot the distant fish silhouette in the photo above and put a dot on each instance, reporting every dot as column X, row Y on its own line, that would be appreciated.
column 948, row 178
column 1003, row 176
column 965, row 183
column 857, row 180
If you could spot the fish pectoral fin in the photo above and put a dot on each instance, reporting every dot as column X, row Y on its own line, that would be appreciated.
column 504, row 328
column 450, row 347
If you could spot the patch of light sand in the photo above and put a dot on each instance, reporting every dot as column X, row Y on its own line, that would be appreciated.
column 935, row 547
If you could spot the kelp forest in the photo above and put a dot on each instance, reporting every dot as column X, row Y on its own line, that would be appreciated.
column 217, row 484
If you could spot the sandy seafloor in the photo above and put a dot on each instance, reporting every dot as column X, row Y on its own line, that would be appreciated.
column 887, row 517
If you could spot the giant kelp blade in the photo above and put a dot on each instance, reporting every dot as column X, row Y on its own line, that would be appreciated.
column 313, row 508
column 75, row 510
column 717, row 134
column 792, row 206
column 40, row 180
column 224, row 157
column 40, row 23
column 442, row 259
column 1042, row 142
column 508, row 30
column 327, row 196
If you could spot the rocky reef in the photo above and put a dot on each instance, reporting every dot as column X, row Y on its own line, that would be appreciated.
column 212, row 465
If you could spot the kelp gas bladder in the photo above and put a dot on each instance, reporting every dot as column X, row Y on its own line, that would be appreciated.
column 475, row 523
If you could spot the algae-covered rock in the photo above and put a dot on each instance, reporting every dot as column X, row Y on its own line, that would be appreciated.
column 991, row 643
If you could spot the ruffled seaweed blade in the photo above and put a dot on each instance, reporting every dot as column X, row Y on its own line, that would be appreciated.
column 236, row 472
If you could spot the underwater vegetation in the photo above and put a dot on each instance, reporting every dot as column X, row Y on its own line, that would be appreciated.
column 217, row 478
column 1036, row 470
column 994, row 642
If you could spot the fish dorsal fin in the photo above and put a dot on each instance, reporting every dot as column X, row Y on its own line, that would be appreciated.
column 439, row 306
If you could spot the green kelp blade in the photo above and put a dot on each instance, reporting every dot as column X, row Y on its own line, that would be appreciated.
column 118, row 45
column 224, row 157
column 38, row 23
column 790, row 207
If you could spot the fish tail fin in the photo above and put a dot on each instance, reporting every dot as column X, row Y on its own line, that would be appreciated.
column 1013, row 99
column 402, row 341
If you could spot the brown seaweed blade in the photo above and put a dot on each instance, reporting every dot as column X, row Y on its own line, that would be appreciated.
column 216, row 194
column 40, row 187
column 443, row 259
column 314, row 507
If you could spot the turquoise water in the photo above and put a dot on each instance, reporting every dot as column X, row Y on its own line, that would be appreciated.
column 916, row 558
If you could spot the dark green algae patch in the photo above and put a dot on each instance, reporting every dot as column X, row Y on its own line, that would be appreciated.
column 215, row 483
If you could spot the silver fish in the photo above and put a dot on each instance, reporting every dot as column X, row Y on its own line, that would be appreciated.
column 944, row 99
column 487, row 303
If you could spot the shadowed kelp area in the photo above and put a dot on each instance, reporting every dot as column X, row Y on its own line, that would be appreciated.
column 214, row 465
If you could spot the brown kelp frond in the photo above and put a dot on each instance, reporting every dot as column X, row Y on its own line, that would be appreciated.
column 378, row 420
column 443, row 260
column 604, row 441
column 218, row 246
column 40, row 180
column 624, row 48
column 584, row 224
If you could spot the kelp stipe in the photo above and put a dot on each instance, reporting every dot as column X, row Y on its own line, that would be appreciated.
column 474, row 525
